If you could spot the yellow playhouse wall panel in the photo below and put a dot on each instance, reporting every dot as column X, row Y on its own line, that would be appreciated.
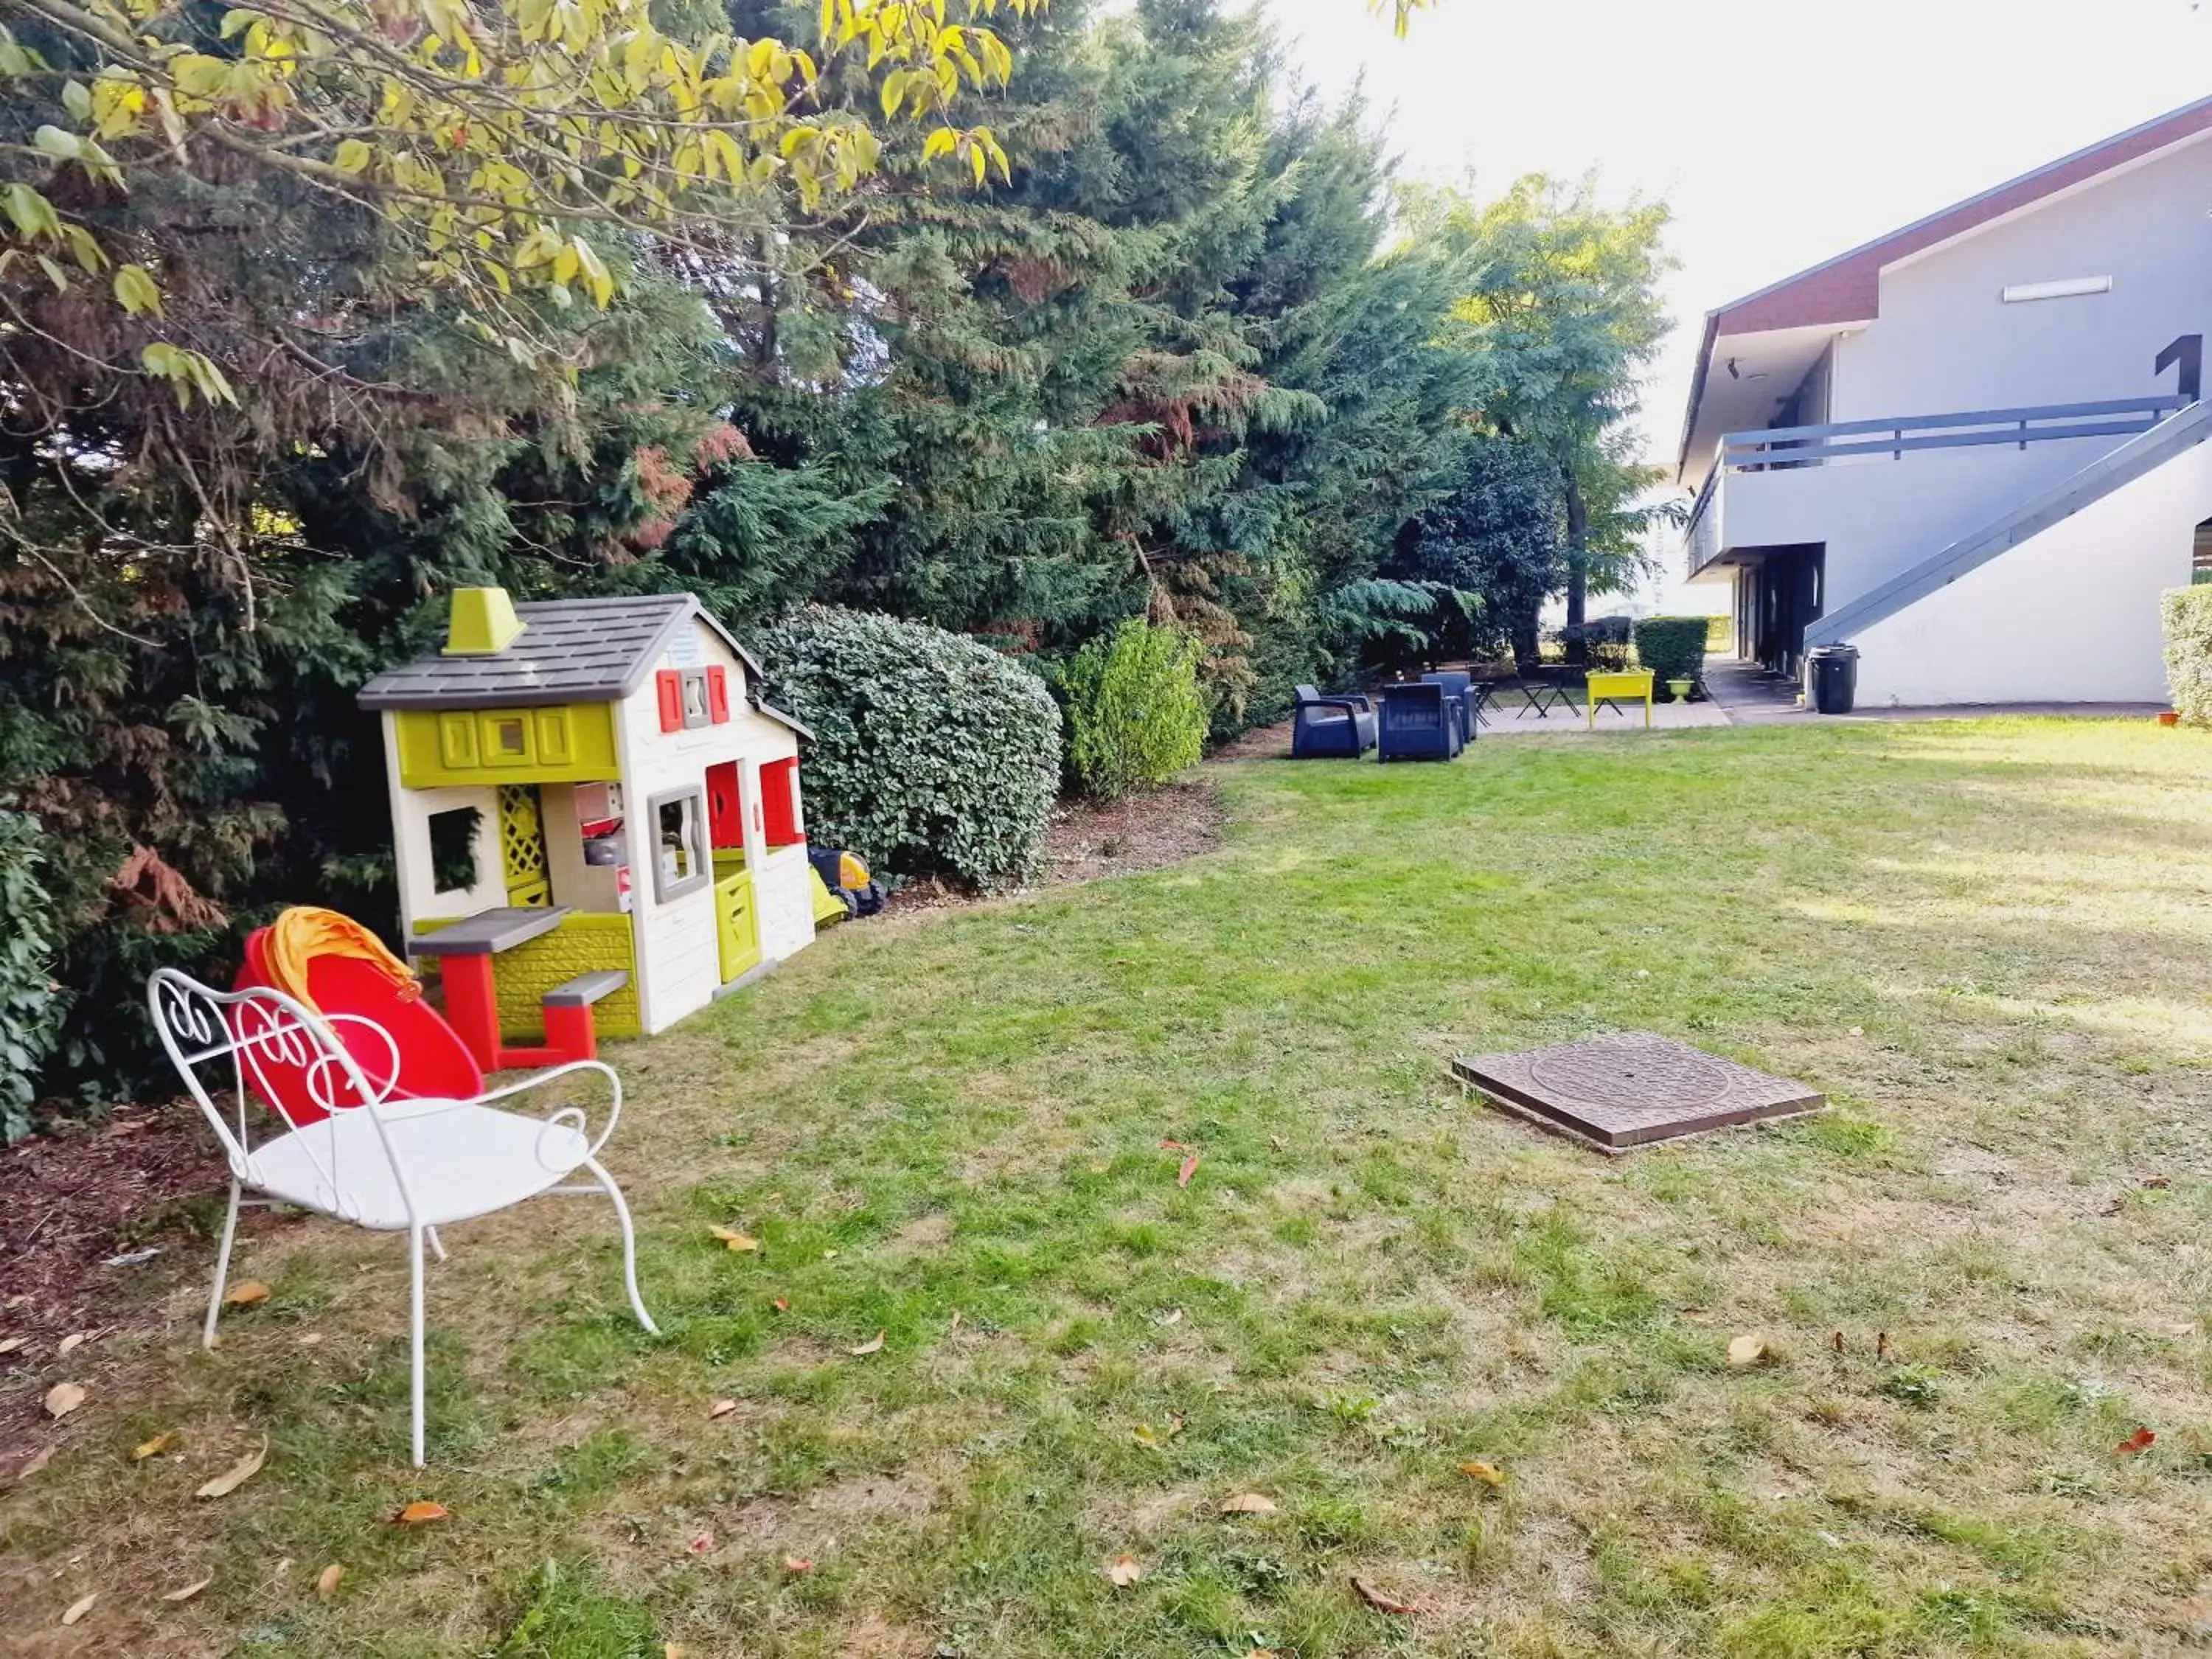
column 568, row 743
column 582, row 944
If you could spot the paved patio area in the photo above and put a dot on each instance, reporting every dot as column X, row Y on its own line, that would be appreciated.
column 1749, row 694
column 1507, row 720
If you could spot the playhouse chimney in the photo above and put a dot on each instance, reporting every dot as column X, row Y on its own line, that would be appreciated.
column 481, row 623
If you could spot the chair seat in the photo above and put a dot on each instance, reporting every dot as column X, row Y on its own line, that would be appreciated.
column 461, row 1161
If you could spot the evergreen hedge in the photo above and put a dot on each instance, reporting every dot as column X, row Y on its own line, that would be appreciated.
column 2186, row 613
column 931, row 755
column 31, row 1004
column 1672, row 648
column 1135, row 714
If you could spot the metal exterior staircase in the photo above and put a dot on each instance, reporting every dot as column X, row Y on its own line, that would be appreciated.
column 2182, row 430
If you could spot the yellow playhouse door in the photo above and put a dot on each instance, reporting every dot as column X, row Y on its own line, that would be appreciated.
column 736, row 930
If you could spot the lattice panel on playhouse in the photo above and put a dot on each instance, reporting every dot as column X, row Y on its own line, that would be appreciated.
column 522, row 845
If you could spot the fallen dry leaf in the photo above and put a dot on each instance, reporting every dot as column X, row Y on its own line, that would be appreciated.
column 1249, row 1502
column 64, row 1398
column 1189, row 1168
column 720, row 1408
column 1173, row 1316
column 1881, row 1348
column 1836, row 1341
column 36, row 1460
column 874, row 1345
column 1376, row 1600
column 2141, row 1441
column 153, row 1448
column 702, row 1540
column 78, row 1608
column 1749, row 1349
column 956, row 1316
column 326, row 1581
column 1489, row 1473
column 1123, row 1570
column 782, row 1304
column 68, row 1344
column 237, row 1474
column 797, row 1564
column 734, row 1239
column 190, row 1590
column 421, row 1510
column 9, row 1343
column 246, row 1295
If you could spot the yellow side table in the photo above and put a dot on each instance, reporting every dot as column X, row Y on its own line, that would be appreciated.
column 1627, row 686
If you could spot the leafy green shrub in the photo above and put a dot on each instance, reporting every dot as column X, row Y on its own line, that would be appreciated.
column 2187, row 614
column 1672, row 648
column 31, row 1004
column 932, row 754
column 1135, row 714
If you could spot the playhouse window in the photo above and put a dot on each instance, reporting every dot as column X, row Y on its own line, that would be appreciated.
column 681, row 860
column 696, row 710
column 453, row 849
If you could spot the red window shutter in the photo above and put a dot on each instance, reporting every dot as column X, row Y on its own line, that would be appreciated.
column 780, row 797
column 718, row 695
column 670, row 685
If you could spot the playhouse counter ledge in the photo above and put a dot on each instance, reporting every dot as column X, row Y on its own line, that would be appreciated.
column 490, row 931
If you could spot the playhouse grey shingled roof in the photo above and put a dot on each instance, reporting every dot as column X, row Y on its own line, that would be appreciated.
column 568, row 651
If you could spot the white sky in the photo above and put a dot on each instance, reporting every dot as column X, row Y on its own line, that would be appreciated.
column 1779, row 131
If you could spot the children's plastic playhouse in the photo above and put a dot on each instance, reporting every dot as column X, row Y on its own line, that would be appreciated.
column 597, row 819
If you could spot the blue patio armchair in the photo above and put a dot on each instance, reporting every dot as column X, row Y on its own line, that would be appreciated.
column 1420, row 720
column 1466, row 697
column 1331, row 728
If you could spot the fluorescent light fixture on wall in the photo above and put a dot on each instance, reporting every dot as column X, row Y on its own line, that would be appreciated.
column 2064, row 288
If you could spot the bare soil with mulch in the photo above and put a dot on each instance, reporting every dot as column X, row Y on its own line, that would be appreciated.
column 1088, row 840
column 77, row 1208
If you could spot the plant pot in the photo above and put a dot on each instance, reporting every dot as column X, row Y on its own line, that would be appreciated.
column 1680, row 688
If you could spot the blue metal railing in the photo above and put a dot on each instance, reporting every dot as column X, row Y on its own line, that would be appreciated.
column 1782, row 448
column 1802, row 445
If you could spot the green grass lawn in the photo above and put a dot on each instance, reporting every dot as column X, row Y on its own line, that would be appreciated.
column 1988, row 942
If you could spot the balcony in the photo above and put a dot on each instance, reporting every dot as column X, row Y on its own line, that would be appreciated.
column 1887, row 488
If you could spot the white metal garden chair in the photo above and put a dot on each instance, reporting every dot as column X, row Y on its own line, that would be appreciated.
column 389, row 1165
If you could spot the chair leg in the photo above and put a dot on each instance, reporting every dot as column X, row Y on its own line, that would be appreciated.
column 437, row 1244
column 629, row 1245
column 222, row 1268
column 415, row 1336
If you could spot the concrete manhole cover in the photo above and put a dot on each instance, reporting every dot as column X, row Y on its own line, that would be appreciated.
column 1617, row 1092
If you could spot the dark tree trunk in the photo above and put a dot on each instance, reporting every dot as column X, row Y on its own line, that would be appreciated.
column 1526, row 631
column 1577, row 540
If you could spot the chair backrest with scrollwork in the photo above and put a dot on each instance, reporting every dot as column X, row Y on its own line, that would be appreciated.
column 256, row 1041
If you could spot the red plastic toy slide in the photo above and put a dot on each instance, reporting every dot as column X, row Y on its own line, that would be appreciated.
column 342, row 970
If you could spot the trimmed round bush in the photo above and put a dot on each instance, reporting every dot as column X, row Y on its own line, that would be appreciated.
column 1672, row 648
column 2187, row 615
column 931, row 756
column 1135, row 714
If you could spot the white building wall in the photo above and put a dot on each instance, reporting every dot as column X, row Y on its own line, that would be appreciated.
column 1881, row 517
column 2069, row 616
column 1947, row 343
